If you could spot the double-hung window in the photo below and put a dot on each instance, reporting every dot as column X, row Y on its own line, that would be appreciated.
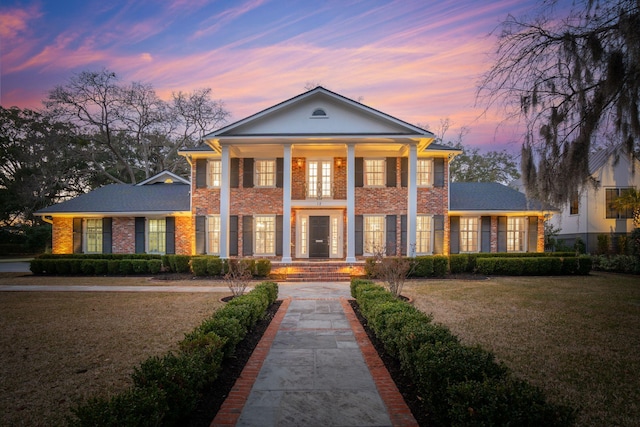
column 214, row 175
column 93, row 235
column 265, row 235
column 265, row 173
column 574, row 203
column 516, row 234
column 611, row 195
column 468, row 234
column 374, row 234
column 423, row 234
column 424, row 173
column 374, row 172
column 213, row 234
column 157, row 236
column 319, row 179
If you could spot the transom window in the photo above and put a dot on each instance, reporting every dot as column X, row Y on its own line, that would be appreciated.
column 374, row 172
column 374, row 234
column 157, row 236
column 468, row 234
column 93, row 234
column 213, row 234
column 424, row 172
column 214, row 177
column 423, row 234
column 265, row 173
column 265, row 235
column 516, row 234
column 319, row 179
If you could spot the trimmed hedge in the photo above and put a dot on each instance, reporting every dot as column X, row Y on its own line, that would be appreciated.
column 459, row 384
column 99, row 256
column 166, row 388
column 94, row 267
column 467, row 263
column 534, row 266
column 209, row 265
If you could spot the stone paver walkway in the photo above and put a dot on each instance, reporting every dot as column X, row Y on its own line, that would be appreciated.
column 315, row 367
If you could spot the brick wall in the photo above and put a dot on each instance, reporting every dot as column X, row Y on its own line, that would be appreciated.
column 123, row 235
column 62, row 235
column 185, row 241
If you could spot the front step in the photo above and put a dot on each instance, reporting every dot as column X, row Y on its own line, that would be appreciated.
column 329, row 271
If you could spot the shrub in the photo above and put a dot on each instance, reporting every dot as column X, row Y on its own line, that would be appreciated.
column 113, row 267
column 440, row 265
column 370, row 268
column 140, row 266
column 262, row 268
column 179, row 263
column 155, row 266
column 226, row 327
column 37, row 266
column 423, row 266
column 459, row 263
column 214, row 266
column 87, row 267
column 199, row 266
column 604, row 243
column 126, row 266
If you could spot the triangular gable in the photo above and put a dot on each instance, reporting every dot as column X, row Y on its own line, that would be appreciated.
column 164, row 177
column 319, row 112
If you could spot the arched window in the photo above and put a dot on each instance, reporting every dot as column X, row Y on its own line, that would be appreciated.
column 319, row 112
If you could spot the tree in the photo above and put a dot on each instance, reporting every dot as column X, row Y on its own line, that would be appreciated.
column 629, row 200
column 132, row 132
column 475, row 166
column 573, row 81
column 38, row 164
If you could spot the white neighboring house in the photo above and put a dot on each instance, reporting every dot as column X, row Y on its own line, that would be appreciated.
column 589, row 212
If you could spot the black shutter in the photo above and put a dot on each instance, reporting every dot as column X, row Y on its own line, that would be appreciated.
column 533, row 234
column 438, row 172
column 140, row 243
column 233, row 235
column 106, row 236
column 77, row 235
column 502, row 234
column 247, row 176
column 170, row 235
column 404, row 172
column 279, row 172
column 279, row 242
column 454, row 236
column 201, row 173
column 201, row 234
column 403, row 235
column 485, row 237
column 359, row 225
column 247, row 235
column 391, row 235
column 359, row 172
column 391, row 171
column 234, row 173
column 438, row 236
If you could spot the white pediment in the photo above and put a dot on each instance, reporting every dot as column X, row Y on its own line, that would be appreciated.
column 318, row 113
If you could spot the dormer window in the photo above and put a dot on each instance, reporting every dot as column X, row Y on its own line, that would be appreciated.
column 319, row 113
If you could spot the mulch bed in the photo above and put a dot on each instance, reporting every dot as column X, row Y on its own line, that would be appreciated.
column 231, row 369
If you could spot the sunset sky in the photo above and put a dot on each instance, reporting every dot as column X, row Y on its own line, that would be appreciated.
column 419, row 61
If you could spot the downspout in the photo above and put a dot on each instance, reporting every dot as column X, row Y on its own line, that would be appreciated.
column 48, row 220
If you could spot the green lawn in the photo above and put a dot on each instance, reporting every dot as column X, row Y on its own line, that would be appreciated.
column 578, row 338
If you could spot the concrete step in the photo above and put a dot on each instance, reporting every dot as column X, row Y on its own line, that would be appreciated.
column 316, row 271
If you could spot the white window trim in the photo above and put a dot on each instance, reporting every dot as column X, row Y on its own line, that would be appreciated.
column 384, row 172
column 85, row 236
column 430, row 183
column 209, row 163
column 302, row 219
column 431, row 237
column 255, row 231
column 147, row 222
column 364, row 233
column 256, row 179
column 208, row 240
column 320, row 161
column 478, row 225
column 525, row 234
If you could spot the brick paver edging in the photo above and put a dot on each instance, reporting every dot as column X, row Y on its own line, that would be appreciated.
column 399, row 412
column 232, row 407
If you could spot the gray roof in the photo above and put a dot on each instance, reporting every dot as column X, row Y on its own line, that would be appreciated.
column 123, row 198
column 436, row 146
column 489, row 196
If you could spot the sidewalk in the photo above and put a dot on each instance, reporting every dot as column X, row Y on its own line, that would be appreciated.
column 314, row 366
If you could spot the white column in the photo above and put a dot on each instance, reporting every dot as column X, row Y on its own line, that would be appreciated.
column 225, row 200
column 286, row 205
column 412, row 200
column 351, row 204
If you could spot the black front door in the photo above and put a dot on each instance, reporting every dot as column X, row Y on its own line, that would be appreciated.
column 319, row 237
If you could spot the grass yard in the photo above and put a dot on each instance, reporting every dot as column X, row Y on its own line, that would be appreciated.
column 60, row 348
column 578, row 338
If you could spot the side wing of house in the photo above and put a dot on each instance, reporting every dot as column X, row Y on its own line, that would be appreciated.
column 150, row 217
column 589, row 212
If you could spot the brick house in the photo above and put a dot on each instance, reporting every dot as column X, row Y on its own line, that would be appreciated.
column 318, row 176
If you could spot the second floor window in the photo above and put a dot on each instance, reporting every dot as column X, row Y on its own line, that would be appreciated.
column 611, row 195
column 265, row 173
column 319, row 179
column 374, row 172
column 214, row 175
column 424, row 175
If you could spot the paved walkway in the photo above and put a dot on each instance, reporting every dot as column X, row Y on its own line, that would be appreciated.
column 314, row 366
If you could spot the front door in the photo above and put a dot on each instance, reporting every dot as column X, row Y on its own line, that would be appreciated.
column 318, row 237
